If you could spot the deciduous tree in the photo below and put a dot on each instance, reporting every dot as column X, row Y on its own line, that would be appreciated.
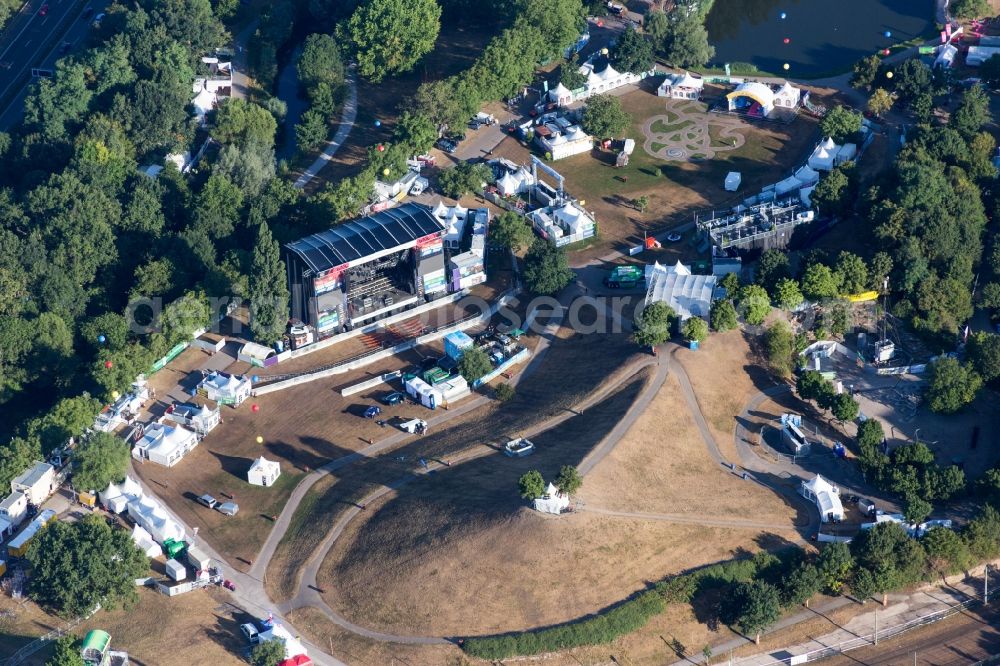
column 755, row 303
column 531, row 485
column 880, row 102
column 840, row 124
column 569, row 480
column 320, row 62
column 723, row 315
column 865, row 71
column 952, row 385
column 694, row 329
column 511, row 231
column 388, row 37
column 76, row 566
column 653, row 324
column 633, row 52
column 546, row 270
column 604, row 116
column 101, row 459
column 475, row 363
column 787, row 294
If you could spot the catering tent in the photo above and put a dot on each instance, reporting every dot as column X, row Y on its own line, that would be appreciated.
column 420, row 390
column 263, row 472
column 826, row 496
column 787, row 185
column 733, row 180
column 144, row 542
column 149, row 514
column 847, row 152
column 687, row 294
column 553, row 501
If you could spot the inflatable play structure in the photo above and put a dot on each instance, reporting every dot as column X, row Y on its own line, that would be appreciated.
column 759, row 100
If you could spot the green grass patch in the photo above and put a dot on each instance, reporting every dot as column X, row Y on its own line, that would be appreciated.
column 604, row 628
column 657, row 147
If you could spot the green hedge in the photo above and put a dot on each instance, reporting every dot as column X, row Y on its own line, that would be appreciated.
column 604, row 628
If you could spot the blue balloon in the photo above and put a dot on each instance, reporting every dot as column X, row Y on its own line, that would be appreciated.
column 783, row 16
column 101, row 339
column 887, row 34
column 378, row 123
column 255, row 378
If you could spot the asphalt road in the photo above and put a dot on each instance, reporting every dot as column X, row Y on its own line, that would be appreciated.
column 33, row 41
column 968, row 637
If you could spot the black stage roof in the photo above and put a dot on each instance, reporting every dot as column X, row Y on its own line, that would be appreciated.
column 365, row 236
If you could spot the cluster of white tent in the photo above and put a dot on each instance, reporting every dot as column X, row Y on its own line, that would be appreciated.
column 453, row 218
column 153, row 525
column 563, row 223
column 915, row 531
column 553, row 501
column 599, row 80
column 826, row 496
column 687, row 294
column 828, row 154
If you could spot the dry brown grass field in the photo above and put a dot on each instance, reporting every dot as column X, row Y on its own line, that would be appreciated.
column 574, row 366
column 662, row 466
column 195, row 628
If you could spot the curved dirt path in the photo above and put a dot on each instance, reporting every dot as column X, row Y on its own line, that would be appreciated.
column 346, row 124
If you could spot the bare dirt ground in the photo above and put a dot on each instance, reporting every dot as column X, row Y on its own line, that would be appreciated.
column 719, row 373
column 662, row 466
column 195, row 628
column 574, row 366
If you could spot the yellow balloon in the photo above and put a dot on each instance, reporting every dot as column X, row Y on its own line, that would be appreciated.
column 604, row 51
column 888, row 75
column 385, row 172
column 115, row 394
column 260, row 440
column 785, row 66
column 583, row 202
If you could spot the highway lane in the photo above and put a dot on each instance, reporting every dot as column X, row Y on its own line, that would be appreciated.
column 33, row 43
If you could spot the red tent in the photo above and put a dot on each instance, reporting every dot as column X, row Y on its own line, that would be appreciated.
column 297, row 660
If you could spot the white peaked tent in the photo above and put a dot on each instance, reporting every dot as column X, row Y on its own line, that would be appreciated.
column 847, row 152
column 263, row 472
column 117, row 496
column 826, row 496
column 508, row 185
column 824, row 155
column 441, row 211
column 553, row 501
column 733, row 180
column 149, row 514
column 144, row 542
column 560, row 95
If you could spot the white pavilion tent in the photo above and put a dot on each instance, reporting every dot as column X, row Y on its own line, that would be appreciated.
column 826, row 496
column 687, row 294
column 553, row 501
column 824, row 155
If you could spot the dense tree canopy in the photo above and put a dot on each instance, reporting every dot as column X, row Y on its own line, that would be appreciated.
column 952, row 385
column 546, row 270
column 76, row 566
column 633, row 52
column 388, row 37
column 101, row 459
column 653, row 324
column 840, row 124
column 604, row 116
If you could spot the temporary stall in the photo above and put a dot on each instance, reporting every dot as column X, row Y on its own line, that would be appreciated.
column 792, row 435
column 144, row 542
column 197, row 559
column 847, row 152
column 456, row 343
column 805, row 195
column 176, row 570
column 787, row 185
column 424, row 393
column 807, row 175
column 733, row 180
column 149, row 514
column 263, row 472
column 6, row 529
column 467, row 270
column 553, row 501
column 681, row 86
column 826, row 496
column 977, row 55
column 946, row 56
column 116, row 497
column 18, row 546
column 453, row 390
column 255, row 354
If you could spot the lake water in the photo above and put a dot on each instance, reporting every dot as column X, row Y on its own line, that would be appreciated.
column 825, row 35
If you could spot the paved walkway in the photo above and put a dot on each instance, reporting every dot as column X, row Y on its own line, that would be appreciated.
column 346, row 124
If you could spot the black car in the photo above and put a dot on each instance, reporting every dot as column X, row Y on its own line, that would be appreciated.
column 446, row 145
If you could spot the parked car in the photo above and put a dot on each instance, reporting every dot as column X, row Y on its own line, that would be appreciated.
column 228, row 508
column 251, row 633
column 208, row 501
column 447, row 145
column 373, row 411
column 393, row 398
column 867, row 507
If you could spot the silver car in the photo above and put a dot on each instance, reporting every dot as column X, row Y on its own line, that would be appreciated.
column 228, row 508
